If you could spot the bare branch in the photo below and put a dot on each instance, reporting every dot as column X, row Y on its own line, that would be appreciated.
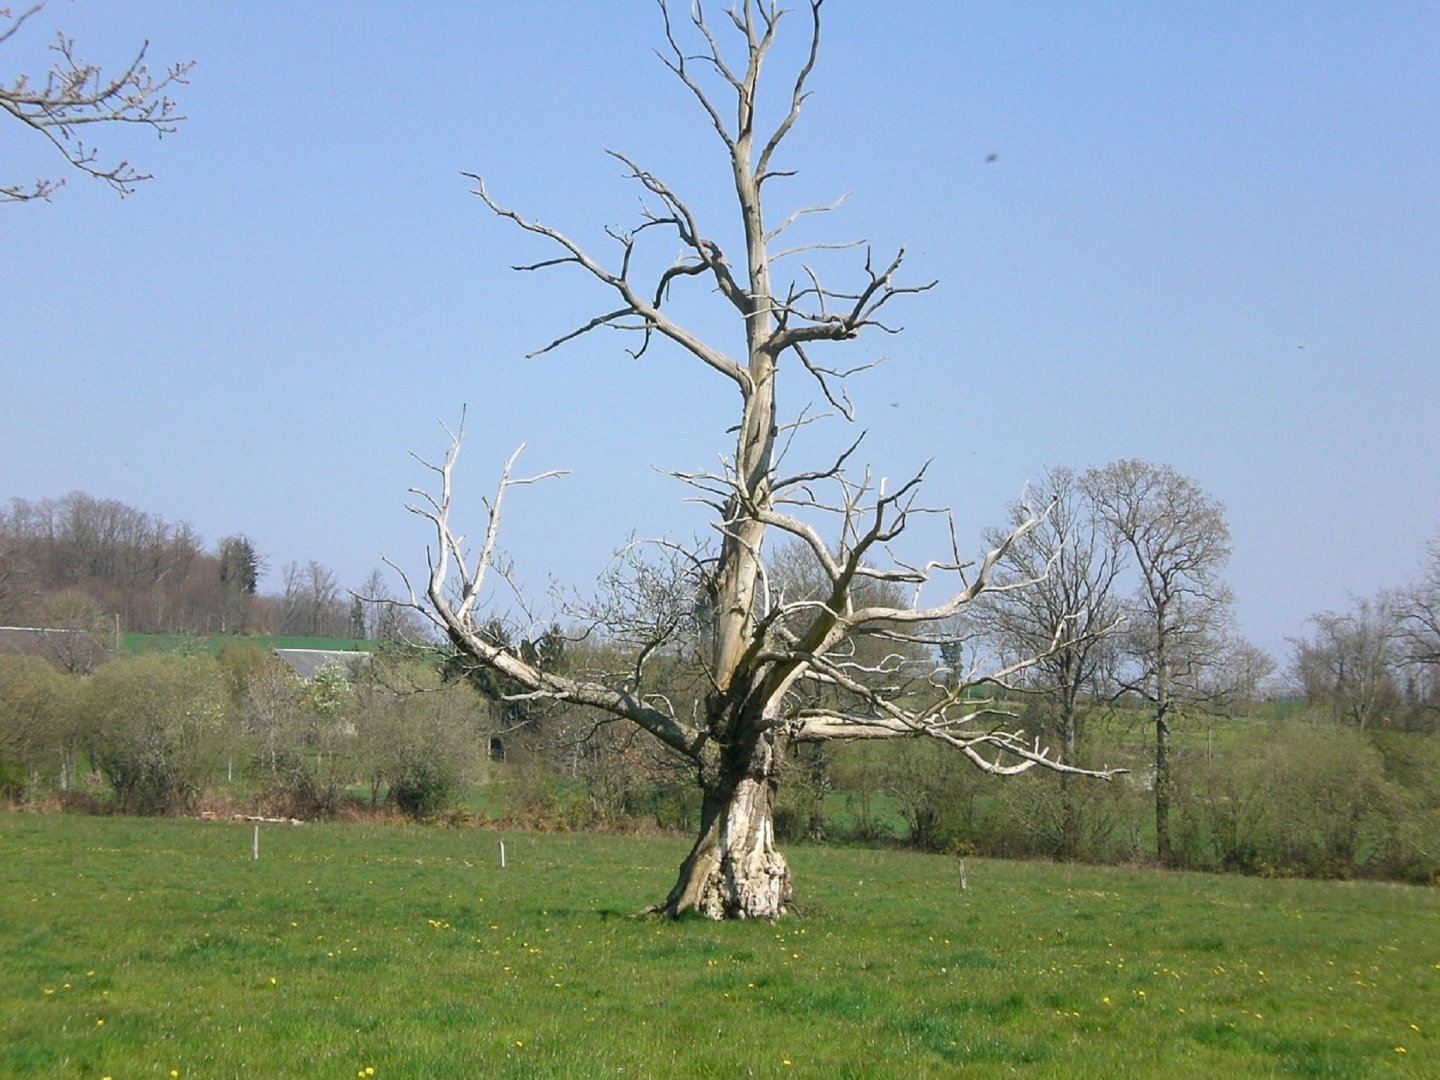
column 451, row 608
column 797, row 94
column 796, row 215
column 649, row 315
column 75, row 94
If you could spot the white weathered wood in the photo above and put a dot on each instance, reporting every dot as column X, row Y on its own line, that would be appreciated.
column 777, row 669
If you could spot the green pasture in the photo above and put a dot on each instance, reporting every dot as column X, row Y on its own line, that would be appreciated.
column 135, row 644
column 159, row 948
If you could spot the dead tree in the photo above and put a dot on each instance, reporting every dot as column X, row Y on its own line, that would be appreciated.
column 763, row 652
column 75, row 94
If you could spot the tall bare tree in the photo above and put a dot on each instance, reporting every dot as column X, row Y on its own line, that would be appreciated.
column 1176, row 629
column 758, row 647
column 1419, row 611
column 1066, row 618
column 311, row 603
column 75, row 94
column 1349, row 667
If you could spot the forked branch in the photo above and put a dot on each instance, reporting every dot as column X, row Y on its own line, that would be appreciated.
column 454, row 587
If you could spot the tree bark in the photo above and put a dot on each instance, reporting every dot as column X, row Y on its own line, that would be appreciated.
column 1164, row 851
column 734, row 871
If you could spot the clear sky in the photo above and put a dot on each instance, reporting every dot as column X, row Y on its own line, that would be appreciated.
column 1209, row 237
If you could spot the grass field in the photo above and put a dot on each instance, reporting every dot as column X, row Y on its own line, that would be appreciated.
column 158, row 948
column 136, row 644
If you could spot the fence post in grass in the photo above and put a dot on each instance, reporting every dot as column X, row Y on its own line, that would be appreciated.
column 255, row 845
column 502, row 854
column 963, row 883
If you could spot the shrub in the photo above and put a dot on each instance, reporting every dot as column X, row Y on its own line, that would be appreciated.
column 417, row 737
column 152, row 727
column 302, row 739
column 38, row 722
column 1309, row 800
column 12, row 781
column 426, row 787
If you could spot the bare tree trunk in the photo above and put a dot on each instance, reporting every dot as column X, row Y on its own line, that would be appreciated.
column 1069, row 797
column 734, row 871
column 1163, row 849
column 1069, row 818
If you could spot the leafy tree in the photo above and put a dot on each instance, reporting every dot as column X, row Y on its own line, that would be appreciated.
column 1312, row 801
column 75, row 94
column 38, row 729
column 760, row 651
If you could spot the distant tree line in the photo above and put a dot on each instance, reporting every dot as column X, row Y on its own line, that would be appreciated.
column 238, row 730
column 83, row 563
column 1376, row 664
column 1326, row 768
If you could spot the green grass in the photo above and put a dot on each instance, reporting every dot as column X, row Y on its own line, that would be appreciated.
column 407, row 950
column 135, row 644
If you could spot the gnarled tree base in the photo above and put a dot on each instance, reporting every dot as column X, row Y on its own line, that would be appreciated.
column 734, row 870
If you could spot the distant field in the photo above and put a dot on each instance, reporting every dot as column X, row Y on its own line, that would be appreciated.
column 157, row 948
column 200, row 643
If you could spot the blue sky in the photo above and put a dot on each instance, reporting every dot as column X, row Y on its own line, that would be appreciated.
column 1210, row 237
